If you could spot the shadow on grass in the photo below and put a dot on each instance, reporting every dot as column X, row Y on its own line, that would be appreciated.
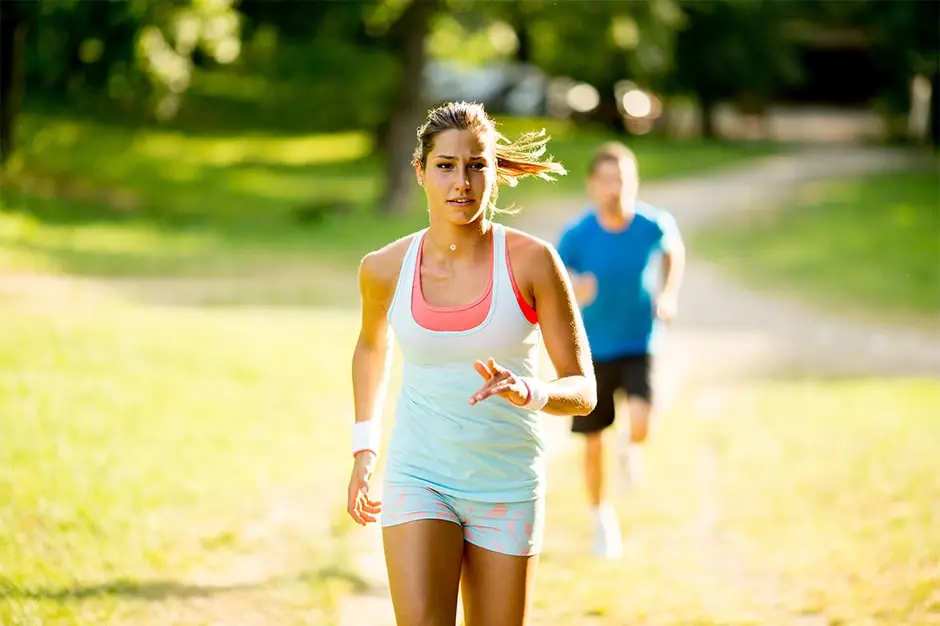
column 159, row 590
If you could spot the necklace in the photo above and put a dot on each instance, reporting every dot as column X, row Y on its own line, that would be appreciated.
column 453, row 247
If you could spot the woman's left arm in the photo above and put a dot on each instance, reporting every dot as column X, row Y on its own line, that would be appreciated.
column 574, row 392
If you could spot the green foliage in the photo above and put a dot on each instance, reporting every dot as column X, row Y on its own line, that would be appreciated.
column 603, row 42
column 335, row 62
column 732, row 48
column 127, row 51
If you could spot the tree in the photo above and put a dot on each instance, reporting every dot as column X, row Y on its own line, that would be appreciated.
column 407, row 37
column 597, row 42
column 12, row 33
column 603, row 43
column 733, row 49
column 906, row 39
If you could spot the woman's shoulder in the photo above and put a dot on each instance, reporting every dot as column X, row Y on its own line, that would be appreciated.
column 381, row 267
column 528, row 250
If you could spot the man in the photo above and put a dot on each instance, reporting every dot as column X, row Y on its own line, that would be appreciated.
column 626, row 259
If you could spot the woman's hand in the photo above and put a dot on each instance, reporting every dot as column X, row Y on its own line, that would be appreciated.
column 498, row 381
column 359, row 506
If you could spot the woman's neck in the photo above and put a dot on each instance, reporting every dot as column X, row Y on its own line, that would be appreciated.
column 456, row 242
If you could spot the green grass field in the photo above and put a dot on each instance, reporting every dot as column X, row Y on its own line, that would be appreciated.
column 172, row 466
column 870, row 244
column 95, row 199
column 766, row 504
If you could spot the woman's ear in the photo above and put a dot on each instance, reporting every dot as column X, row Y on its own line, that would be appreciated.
column 419, row 174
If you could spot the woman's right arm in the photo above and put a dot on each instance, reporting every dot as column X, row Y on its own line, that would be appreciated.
column 372, row 355
column 370, row 368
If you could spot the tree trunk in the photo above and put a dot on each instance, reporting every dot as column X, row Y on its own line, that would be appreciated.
column 410, row 32
column 523, row 34
column 12, row 32
column 707, row 117
column 934, row 117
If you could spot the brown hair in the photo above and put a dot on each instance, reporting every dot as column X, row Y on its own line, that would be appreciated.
column 612, row 151
column 514, row 159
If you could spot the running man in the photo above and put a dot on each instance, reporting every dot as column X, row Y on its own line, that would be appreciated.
column 626, row 259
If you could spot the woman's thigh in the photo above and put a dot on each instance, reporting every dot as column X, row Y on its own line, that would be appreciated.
column 423, row 543
column 497, row 588
column 500, row 559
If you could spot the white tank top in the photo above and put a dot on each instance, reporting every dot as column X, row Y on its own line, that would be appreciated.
column 489, row 452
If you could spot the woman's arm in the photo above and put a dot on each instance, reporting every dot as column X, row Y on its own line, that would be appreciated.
column 372, row 355
column 574, row 392
column 370, row 366
column 547, row 283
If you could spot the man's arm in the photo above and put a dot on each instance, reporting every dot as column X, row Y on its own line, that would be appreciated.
column 673, row 269
column 583, row 283
column 667, row 303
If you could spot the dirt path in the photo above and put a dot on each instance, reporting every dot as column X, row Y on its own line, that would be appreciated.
column 727, row 332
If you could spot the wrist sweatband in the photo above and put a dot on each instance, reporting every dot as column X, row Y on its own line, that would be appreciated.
column 538, row 393
column 365, row 436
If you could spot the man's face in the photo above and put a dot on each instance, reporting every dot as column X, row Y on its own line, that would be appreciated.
column 613, row 181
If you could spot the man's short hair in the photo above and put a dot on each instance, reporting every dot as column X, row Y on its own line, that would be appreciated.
column 613, row 151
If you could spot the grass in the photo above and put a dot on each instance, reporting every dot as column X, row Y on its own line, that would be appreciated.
column 167, row 465
column 871, row 243
column 91, row 198
column 767, row 504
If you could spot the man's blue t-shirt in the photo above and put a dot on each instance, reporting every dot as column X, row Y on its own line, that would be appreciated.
column 626, row 265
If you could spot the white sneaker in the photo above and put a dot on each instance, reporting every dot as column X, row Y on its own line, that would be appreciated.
column 608, row 541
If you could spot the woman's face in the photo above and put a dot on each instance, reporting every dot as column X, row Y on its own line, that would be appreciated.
column 458, row 176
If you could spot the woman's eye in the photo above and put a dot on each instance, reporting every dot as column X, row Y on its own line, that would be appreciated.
column 479, row 166
column 443, row 166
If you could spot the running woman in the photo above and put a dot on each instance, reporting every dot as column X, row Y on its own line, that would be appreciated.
column 468, row 301
column 626, row 259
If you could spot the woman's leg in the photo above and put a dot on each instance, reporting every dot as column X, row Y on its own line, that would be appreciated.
column 423, row 543
column 500, row 559
column 497, row 588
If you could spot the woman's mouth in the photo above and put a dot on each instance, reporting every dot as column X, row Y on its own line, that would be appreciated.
column 464, row 202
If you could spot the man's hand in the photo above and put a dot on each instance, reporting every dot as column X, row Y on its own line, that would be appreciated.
column 667, row 306
column 585, row 288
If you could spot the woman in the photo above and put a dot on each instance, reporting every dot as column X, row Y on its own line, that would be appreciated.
column 467, row 299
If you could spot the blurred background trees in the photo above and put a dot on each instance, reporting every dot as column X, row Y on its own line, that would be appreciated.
column 211, row 65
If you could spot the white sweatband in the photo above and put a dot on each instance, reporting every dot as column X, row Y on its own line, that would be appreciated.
column 538, row 393
column 366, row 436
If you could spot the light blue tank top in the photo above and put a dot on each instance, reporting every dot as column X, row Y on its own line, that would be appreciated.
column 492, row 451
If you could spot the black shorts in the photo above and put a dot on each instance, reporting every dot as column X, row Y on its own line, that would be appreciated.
column 629, row 373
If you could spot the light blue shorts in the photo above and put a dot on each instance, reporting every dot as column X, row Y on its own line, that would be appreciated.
column 513, row 528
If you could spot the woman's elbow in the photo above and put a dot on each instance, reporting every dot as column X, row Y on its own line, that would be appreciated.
column 588, row 396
